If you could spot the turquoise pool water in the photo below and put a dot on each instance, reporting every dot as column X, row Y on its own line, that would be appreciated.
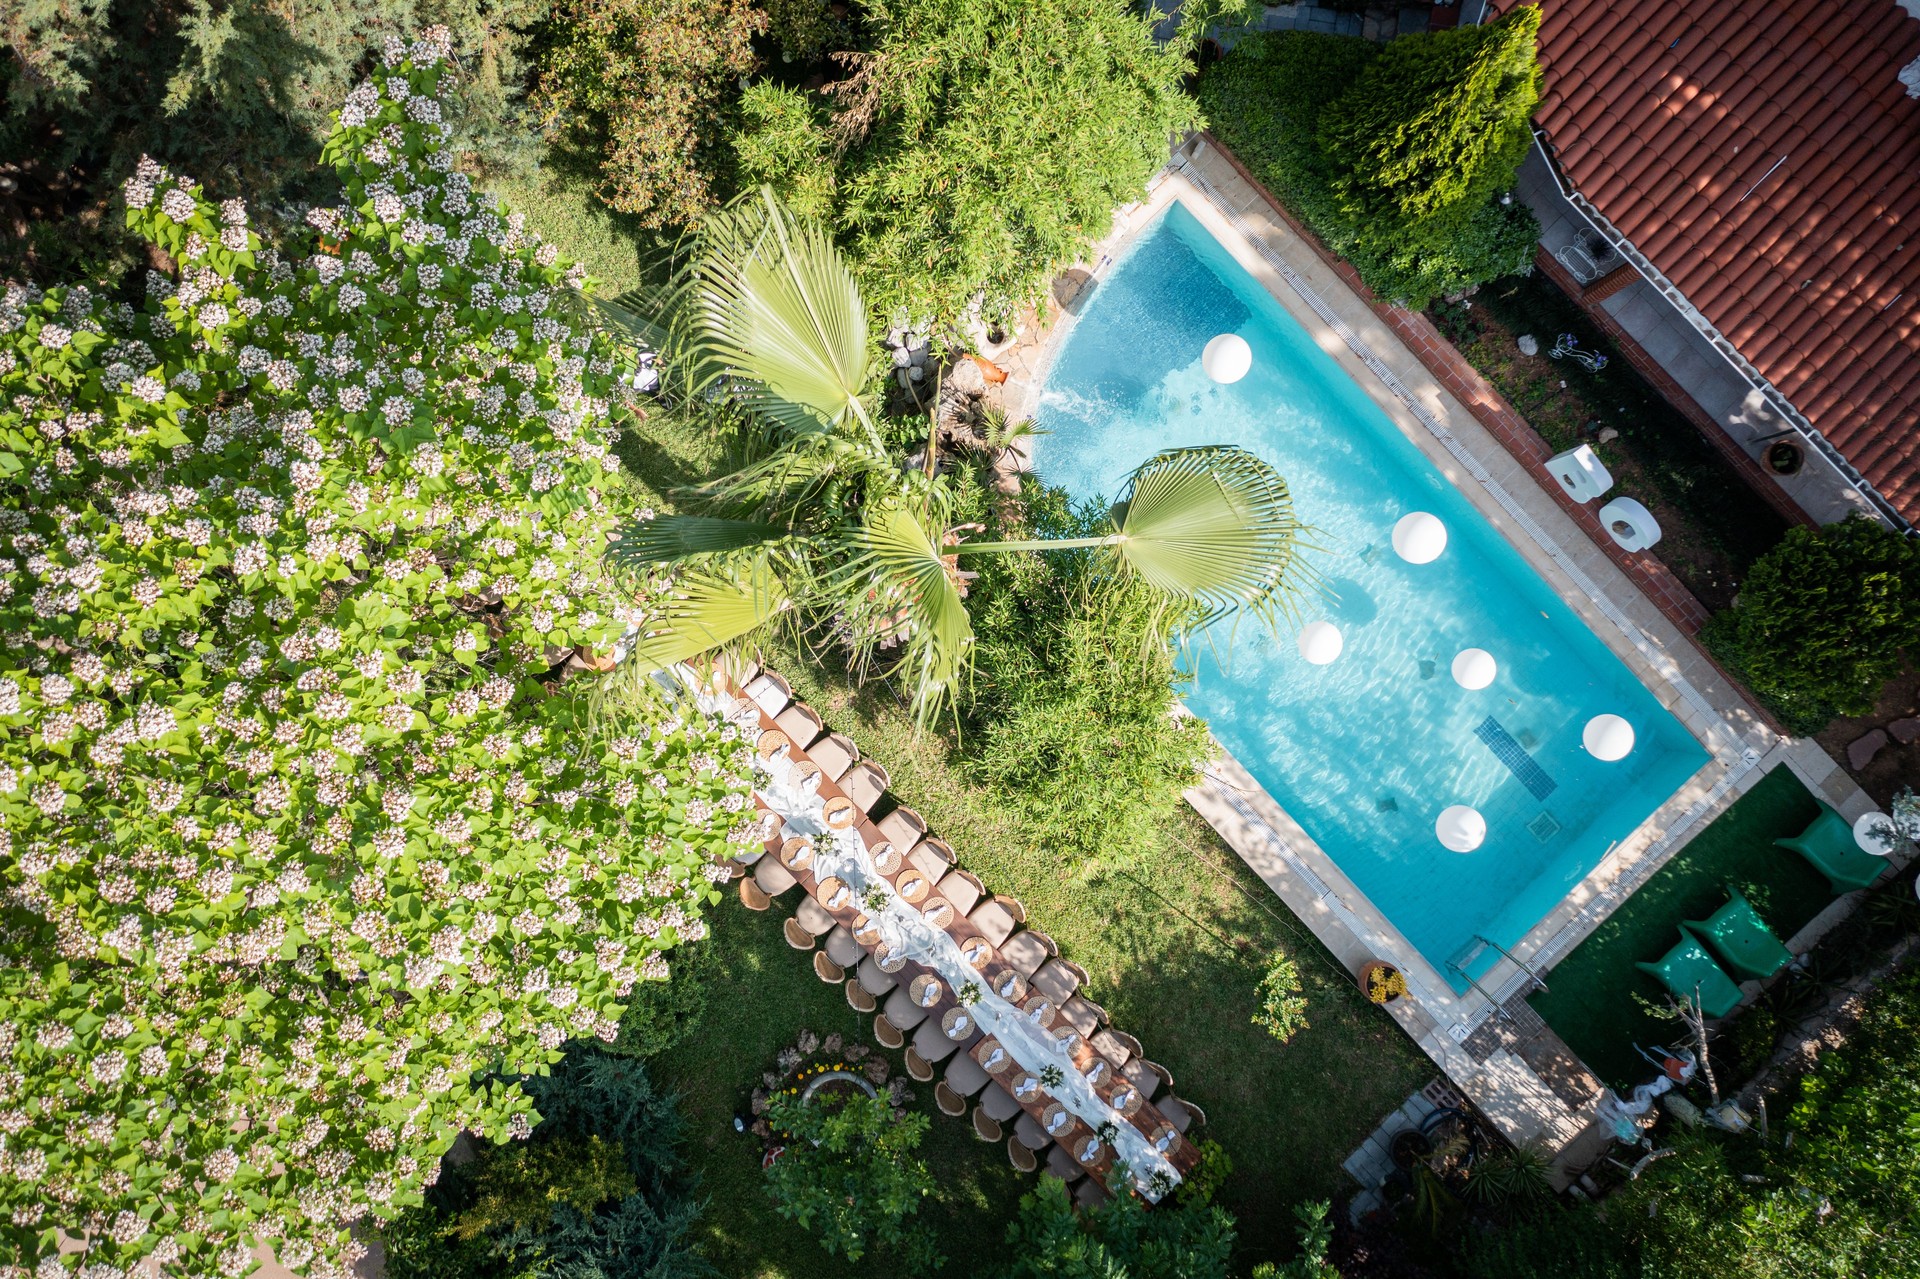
column 1366, row 752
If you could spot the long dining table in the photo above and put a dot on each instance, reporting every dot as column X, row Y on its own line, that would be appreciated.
column 1075, row 1109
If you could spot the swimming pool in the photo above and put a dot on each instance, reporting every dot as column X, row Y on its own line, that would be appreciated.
column 1366, row 752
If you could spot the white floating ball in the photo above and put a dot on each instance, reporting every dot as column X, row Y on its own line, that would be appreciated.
column 1419, row 538
column 1321, row 642
column 1474, row 668
column 1607, row 737
column 1460, row 828
column 1227, row 358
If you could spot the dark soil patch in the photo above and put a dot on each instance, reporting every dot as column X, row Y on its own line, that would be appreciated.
column 1714, row 525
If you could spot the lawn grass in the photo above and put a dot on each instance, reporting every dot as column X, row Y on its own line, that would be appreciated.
column 1175, row 946
column 1591, row 1000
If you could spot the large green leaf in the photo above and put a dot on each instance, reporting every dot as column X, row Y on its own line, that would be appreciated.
column 706, row 611
column 774, row 304
column 670, row 539
column 898, row 588
column 1214, row 526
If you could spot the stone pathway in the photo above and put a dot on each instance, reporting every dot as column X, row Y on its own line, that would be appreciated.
column 1372, row 1163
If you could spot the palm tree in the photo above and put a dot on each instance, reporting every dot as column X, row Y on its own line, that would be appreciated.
column 824, row 526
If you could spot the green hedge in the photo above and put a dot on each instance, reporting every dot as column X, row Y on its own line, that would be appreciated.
column 1269, row 102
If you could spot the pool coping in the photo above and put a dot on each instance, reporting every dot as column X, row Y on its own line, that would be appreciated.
column 1741, row 744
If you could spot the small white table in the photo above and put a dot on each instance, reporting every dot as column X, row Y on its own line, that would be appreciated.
column 1870, row 841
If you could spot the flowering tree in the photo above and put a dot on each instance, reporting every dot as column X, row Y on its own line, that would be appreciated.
column 298, row 839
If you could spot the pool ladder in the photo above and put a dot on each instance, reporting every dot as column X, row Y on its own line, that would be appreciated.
column 1459, row 965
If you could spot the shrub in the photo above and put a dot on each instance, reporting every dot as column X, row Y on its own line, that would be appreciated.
column 1073, row 718
column 1822, row 620
column 298, row 843
column 245, row 91
column 661, row 1014
column 980, row 145
column 1186, row 1238
column 1434, row 127
column 848, row 1174
column 1283, row 1008
column 645, row 81
column 1268, row 101
column 598, row 1192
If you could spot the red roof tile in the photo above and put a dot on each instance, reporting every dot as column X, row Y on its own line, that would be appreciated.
column 1671, row 118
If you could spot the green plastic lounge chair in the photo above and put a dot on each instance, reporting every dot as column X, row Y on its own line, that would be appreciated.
column 1830, row 848
column 1688, row 966
column 1744, row 943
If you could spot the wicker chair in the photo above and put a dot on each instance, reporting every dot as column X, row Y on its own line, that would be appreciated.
column 858, row 999
column 993, row 921
column 949, row 1101
column 1022, row 1159
column 986, row 1129
column 919, row 1067
column 833, row 759
column 1090, row 1194
column 813, row 917
column 769, row 692
column 960, row 888
column 826, row 970
column 751, row 895
column 865, row 783
column 1064, row 1166
column 904, row 827
column 887, row 1033
column 842, row 948
column 802, row 723
column 797, row 936
column 1014, row 908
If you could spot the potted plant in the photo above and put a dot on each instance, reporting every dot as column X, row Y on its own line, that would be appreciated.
column 1382, row 982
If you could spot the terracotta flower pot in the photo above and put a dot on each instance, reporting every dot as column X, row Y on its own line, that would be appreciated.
column 1378, row 974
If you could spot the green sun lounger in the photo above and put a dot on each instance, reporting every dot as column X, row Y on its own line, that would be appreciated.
column 1687, row 969
column 1830, row 848
column 1741, row 939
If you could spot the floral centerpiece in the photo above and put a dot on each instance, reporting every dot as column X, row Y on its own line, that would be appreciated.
column 300, row 838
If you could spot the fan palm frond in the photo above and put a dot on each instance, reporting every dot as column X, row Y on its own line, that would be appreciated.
column 900, row 587
column 773, row 304
column 706, row 610
column 673, row 539
column 1214, row 526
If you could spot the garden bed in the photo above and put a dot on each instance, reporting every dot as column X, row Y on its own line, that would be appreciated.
column 1714, row 524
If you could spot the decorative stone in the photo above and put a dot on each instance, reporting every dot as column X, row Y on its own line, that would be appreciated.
column 966, row 378
column 1608, row 434
column 1321, row 642
column 1460, row 828
column 1905, row 731
column 1419, row 537
column 1861, row 750
column 1528, row 344
column 1607, row 737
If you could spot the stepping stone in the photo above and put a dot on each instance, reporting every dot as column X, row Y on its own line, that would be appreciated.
column 1905, row 731
column 1863, row 749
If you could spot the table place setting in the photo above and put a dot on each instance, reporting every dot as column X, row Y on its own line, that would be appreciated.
column 902, row 924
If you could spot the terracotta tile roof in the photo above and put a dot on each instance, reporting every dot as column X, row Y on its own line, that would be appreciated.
column 1764, row 155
